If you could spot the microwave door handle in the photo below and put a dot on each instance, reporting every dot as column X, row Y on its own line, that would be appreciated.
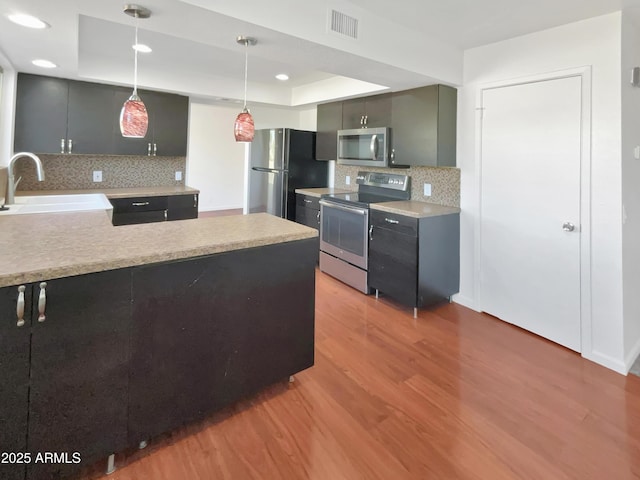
column 374, row 147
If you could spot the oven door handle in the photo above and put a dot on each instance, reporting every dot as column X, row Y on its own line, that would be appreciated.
column 359, row 211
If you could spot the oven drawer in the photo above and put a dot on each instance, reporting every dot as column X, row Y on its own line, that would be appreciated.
column 392, row 221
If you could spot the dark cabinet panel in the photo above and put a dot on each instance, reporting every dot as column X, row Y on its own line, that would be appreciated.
column 90, row 123
column 329, row 121
column 393, row 264
column 79, row 369
column 41, row 114
column 169, row 119
column 367, row 112
column 208, row 331
column 14, row 378
column 415, row 261
column 183, row 207
column 424, row 126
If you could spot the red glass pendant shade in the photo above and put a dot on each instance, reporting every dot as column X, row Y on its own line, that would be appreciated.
column 244, row 128
column 134, row 119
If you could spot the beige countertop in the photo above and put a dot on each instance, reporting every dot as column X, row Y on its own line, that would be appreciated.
column 120, row 192
column 414, row 208
column 48, row 246
column 318, row 192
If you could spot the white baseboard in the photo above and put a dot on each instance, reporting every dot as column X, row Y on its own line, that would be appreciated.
column 632, row 355
column 465, row 301
column 608, row 361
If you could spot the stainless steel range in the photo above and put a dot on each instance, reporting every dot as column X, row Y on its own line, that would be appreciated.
column 344, row 229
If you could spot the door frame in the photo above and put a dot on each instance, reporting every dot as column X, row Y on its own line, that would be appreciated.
column 585, row 190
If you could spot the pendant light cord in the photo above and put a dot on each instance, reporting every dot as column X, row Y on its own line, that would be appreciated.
column 135, row 60
column 246, row 63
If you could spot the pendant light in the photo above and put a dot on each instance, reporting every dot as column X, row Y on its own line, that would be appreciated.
column 244, row 128
column 134, row 119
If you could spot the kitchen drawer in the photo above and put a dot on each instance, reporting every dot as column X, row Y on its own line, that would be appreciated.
column 139, row 204
column 129, row 218
column 394, row 222
column 308, row 201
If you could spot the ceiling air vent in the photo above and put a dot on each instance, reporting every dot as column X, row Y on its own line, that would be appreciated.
column 343, row 24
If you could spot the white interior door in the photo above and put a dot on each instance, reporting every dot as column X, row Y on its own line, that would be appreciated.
column 530, row 188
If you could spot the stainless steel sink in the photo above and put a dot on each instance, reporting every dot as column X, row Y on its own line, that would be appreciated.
column 58, row 203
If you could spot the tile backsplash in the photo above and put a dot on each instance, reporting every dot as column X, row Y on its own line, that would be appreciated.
column 445, row 182
column 75, row 172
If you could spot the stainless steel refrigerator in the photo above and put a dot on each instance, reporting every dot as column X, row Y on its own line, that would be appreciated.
column 281, row 160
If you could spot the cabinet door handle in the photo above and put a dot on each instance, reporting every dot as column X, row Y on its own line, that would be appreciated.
column 70, row 143
column 361, row 119
column 318, row 217
column 195, row 201
column 392, row 221
column 149, row 149
column 371, row 232
column 42, row 302
column 165, row 215
column 155, row 149
column 366, row 117
column 139, row 204
column 20, row 306
column 62, row 142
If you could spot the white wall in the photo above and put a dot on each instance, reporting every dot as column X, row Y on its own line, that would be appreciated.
column 216, row 164
column 594, row 42
column 630, row 184
column 7, row 107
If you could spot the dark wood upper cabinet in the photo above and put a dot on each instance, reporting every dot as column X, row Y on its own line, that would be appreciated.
column 66, row 116
column 41, row 114
column 90, row 125
column 329, row 121
column 423, row 127
column 367, row 112
column 168, row 120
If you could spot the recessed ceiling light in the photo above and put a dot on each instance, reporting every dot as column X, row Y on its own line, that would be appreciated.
column 44, row 63
column 142, row 48
column 27, row 21
column 282, row 76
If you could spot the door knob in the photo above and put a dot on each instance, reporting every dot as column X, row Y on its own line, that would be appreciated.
column 568, row 227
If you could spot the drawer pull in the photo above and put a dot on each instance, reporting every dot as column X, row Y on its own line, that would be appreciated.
column 140, row 204
column 165, row 215
column 20, row 306
column 42, row 302
column 307, row 201
column 391, row 220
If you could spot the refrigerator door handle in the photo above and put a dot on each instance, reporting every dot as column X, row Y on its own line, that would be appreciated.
column 268, row 170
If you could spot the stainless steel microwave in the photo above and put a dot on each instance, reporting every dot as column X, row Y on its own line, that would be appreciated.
column 364, row 147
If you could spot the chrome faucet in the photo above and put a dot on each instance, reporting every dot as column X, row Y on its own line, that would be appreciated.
column 13, row 184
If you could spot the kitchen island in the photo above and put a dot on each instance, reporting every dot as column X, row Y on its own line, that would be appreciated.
column 111, row 336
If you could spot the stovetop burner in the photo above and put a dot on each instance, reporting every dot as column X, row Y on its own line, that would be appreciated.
column 374, row 187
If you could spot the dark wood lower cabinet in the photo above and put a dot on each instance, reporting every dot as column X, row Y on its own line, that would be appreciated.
column 209, row 331
column 14, row 380
column 79, row 371
column 131, row 210
column 108, row 359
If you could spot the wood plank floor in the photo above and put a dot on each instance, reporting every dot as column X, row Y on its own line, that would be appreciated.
column 451, row 395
